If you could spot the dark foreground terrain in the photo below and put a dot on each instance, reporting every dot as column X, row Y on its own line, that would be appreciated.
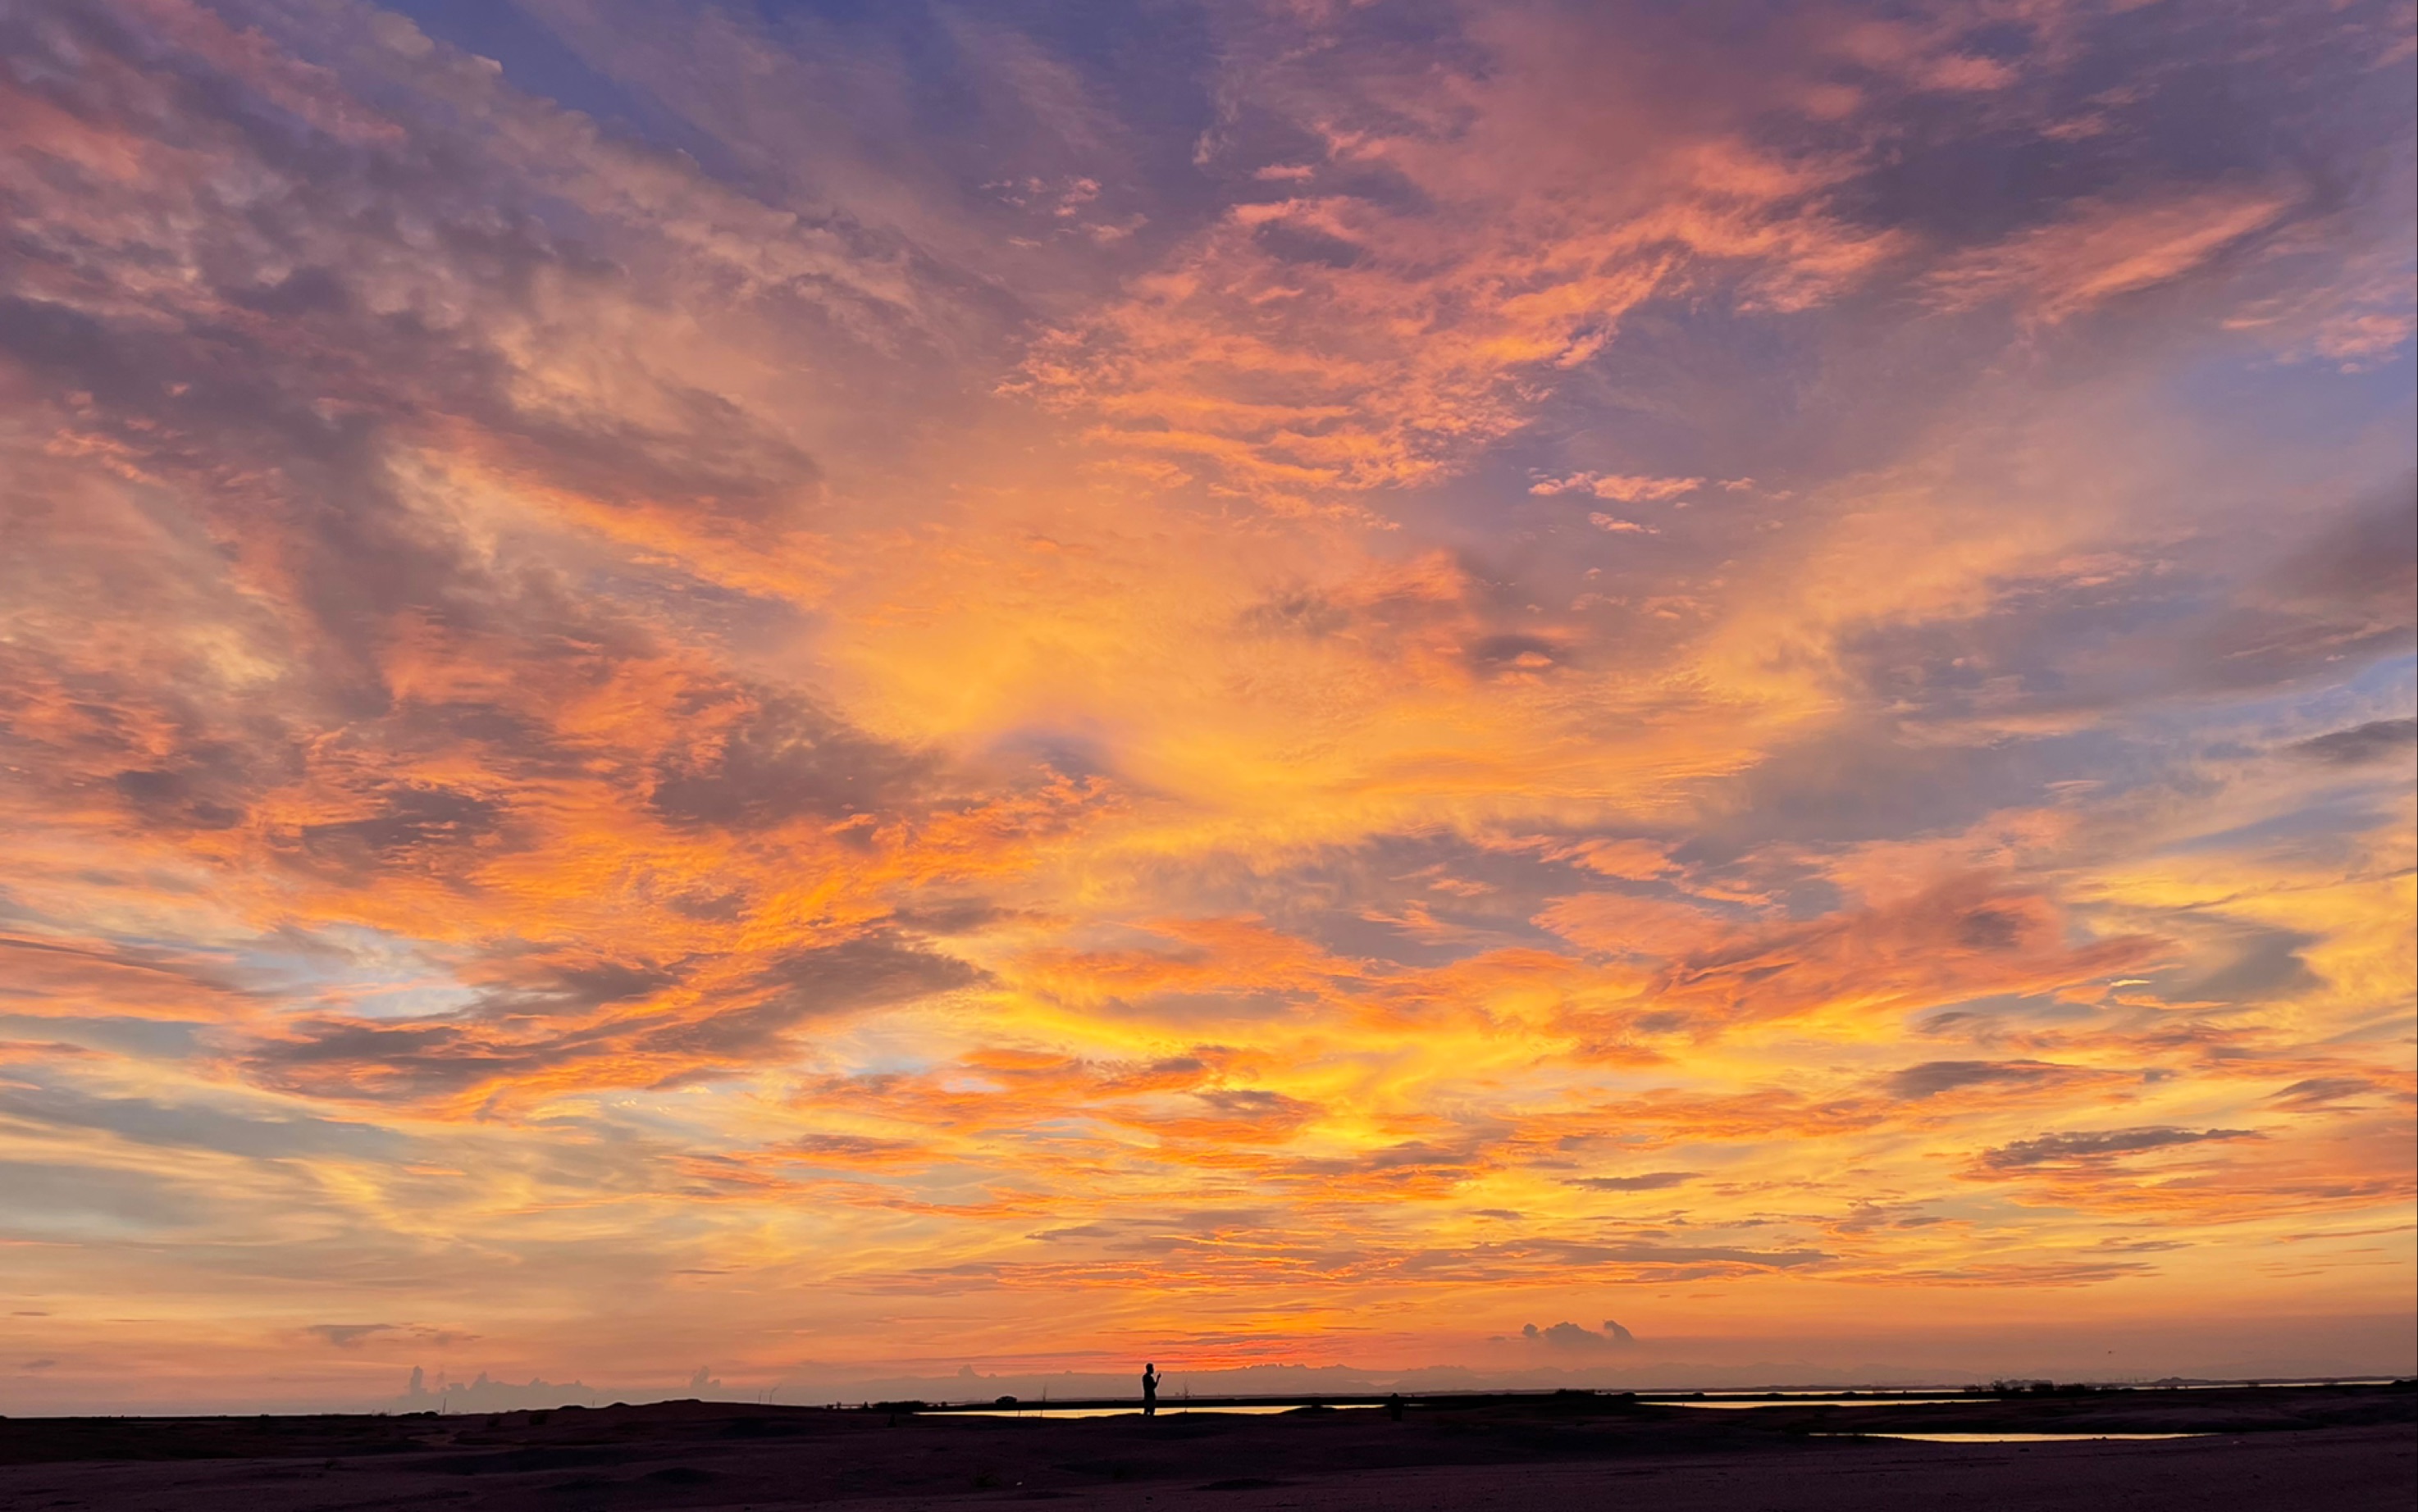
column 2340, row 1448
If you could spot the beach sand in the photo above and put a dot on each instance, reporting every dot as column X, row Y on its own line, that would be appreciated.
column 2337, row 1449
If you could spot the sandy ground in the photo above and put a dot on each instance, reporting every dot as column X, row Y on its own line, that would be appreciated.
column 2337, row 1452
column 2349, row 1470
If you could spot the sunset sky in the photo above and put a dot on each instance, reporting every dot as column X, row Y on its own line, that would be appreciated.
column 856, row 687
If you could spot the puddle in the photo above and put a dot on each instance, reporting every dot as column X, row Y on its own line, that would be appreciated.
column 1816, row 1401
column 2012, row 1438
column 1165, row 1410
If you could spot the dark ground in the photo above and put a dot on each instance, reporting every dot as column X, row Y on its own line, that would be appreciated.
column 2334, row 1449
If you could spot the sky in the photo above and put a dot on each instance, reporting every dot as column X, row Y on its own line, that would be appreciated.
column 851, row 691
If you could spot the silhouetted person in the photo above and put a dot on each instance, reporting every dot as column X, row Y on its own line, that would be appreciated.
column 1394, row 1407
column 1150, row 1391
